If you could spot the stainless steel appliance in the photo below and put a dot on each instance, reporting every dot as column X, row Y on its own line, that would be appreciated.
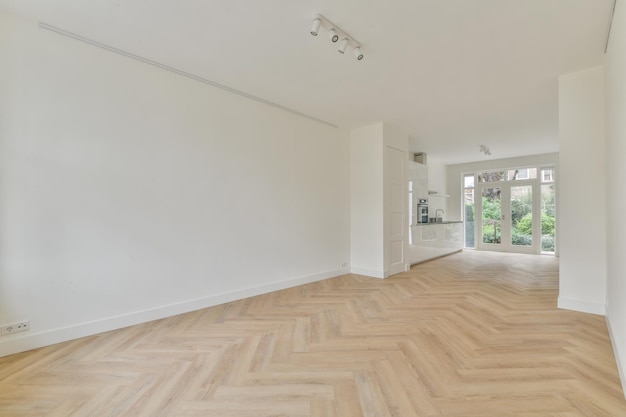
column 422, row 211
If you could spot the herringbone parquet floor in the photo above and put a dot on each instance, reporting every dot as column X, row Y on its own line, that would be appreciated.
column 474, row 334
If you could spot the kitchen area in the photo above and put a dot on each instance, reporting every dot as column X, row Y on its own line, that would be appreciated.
column 431, row 234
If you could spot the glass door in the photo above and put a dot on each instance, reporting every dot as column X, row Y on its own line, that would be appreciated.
column 506, row 217
column 521, row 218
column 491, row 217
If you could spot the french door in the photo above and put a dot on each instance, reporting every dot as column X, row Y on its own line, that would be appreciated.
column 507, row 217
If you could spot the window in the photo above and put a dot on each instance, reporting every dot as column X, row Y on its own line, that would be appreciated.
column 410, row 211
column 548, row 211
column 491, row 176
column 521, row 174
column 530, row 218
column 547, row 175
column 468, row 181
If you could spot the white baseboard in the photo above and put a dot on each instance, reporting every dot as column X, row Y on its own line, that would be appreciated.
column 368, row 272
column 620, row 368
column 22, row 342
column 582, row 306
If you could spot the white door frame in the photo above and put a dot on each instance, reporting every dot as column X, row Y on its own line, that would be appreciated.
column 505, row 228
column 395, row 209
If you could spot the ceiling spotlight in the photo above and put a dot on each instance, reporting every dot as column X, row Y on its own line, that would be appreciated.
column 316, row 26
column 357, row 53
column 332, row 34
column 336, row 35
column 343, row 45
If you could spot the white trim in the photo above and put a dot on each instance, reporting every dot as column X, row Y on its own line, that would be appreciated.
column 440, row 255
column 506, row 228
column 582, row 306
column 368, row 272
column 620, row 369
column 26, row 341
column 396, row 269
column 174, row 70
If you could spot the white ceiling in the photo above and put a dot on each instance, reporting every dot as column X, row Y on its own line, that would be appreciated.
column 454, row 73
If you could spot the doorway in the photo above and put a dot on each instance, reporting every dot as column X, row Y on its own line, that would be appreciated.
column 511, row 210
column 506, row 222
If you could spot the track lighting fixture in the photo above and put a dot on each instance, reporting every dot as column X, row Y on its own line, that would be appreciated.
column 335, row 33
column 332, row 34
column 316, row 26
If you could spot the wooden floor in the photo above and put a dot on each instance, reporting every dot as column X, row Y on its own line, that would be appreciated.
column 473, row 334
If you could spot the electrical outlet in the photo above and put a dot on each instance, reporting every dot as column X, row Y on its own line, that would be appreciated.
column 23, row 326
column 20, row 326
column 8, row 329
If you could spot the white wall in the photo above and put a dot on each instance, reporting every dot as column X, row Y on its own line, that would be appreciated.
column 369, row 220
column 582, row 192
column 128, row 193
column 438, row 181
column 615, row 78
column 366, row 196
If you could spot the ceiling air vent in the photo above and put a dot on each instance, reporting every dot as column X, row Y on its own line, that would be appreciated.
column 420, row 157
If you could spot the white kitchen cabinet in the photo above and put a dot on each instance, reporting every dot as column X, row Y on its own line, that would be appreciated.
column 433, row 240
column 418, row 174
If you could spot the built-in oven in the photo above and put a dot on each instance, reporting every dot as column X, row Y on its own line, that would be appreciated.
column 422, row 210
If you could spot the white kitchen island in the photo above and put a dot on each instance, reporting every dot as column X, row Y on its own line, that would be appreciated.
column 433, row 240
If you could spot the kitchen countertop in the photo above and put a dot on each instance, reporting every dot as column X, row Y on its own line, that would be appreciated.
column 435, row 223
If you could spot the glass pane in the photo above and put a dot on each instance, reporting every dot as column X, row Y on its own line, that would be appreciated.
column 469, row 218
column 547, row 175
column 521, row 174
column 492, row 215
column 469, row 181
column 548, row 211
column 411, row 219
column 522, row 215
column 491, row 176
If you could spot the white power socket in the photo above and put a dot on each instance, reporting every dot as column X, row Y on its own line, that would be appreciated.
column 17, row 327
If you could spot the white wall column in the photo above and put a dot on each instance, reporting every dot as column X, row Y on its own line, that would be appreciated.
column 366, row 201
column 376, row 202
column 581, row 198
column 615, row 76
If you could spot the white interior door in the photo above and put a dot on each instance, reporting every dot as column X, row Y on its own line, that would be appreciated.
column 395, row 208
